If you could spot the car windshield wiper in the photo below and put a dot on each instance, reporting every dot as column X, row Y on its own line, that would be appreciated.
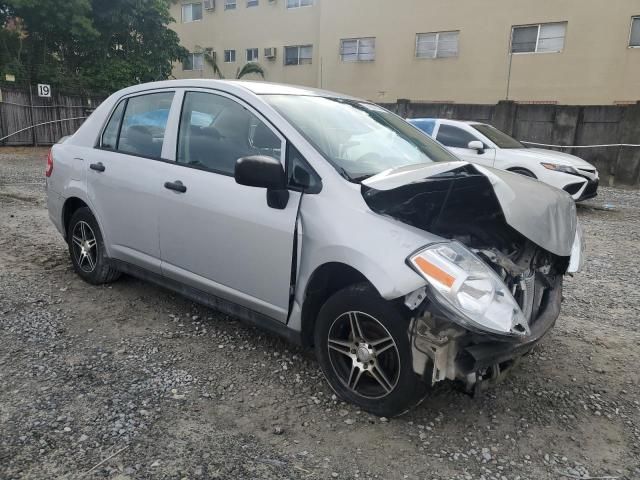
column 361, row 178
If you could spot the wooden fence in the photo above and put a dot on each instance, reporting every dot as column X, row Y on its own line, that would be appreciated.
column 58, row 116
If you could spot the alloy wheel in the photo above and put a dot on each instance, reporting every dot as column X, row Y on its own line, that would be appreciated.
column 84, row 246
column 363, row 354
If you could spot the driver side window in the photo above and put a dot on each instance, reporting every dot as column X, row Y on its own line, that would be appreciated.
column 216, row 131
column 454, row 137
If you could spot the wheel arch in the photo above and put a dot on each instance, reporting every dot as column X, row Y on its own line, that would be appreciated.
column 326, row 280
column 70, row 206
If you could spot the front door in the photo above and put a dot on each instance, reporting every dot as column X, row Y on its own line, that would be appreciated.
column 457, row 140
column 123, row 178
column 216, row 235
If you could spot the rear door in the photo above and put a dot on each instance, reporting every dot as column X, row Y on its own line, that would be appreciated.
column 457, row 140
column 216, row 235
column 124, row 176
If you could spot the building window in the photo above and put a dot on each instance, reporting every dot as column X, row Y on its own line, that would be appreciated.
column 252, row 3
column 298, row 55
column 194, row 61
column 252, row 54
column 229, row 4
column 634, row 40
column 229, row 56
column 191, row 12
column 299, row 3
column 437, row 45
column 543, row 38
column 358, row 49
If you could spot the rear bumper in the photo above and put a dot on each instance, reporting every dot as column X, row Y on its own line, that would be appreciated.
column 54, row 207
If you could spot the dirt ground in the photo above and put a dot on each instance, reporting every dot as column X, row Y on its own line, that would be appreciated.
column 132, row 381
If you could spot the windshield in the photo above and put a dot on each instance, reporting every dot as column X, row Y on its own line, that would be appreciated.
column 360, row 139
column 501, row 139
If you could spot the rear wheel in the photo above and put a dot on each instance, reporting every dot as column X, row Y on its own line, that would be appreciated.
column 86, row 249
column 364, row 351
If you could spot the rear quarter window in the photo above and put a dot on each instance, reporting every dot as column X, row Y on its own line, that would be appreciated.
column 426, row 126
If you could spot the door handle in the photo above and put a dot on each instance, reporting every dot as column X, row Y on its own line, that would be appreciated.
column 176, row 186
column 98, row 167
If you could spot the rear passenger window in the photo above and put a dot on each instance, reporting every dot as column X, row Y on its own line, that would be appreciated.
column 216, row 131
column 454, row 137
column 110, row 135
column 144, row 124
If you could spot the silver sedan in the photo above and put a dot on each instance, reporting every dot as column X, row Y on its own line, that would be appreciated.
column 323, row 218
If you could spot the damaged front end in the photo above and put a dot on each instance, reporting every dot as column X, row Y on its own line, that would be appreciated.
column 494, row 282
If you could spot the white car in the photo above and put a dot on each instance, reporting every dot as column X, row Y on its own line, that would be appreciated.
column 486, row 145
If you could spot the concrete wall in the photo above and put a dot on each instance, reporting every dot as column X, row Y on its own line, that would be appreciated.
column 556, row 125
column 596, row 67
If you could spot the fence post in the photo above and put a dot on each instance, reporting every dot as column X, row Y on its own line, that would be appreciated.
column 33, row 129
column 627, row 165
column 504, row 116
column 403, row 108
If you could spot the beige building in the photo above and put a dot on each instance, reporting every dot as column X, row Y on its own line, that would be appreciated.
column 463, row 51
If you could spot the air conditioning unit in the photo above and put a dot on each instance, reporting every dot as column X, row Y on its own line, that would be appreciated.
column 270, row 52
column 209, row 4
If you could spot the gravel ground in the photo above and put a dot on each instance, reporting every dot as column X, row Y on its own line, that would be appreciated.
column 132, row 381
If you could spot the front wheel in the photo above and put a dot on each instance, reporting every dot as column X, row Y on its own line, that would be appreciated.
column 364, row 351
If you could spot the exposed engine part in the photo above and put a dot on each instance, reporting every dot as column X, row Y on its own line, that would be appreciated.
column 498, row 258
column 435, row 346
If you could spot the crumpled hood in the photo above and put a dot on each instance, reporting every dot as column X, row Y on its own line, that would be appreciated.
column 543, row 214
column 549, row 156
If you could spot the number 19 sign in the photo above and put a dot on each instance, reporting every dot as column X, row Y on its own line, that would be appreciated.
column 44, row 90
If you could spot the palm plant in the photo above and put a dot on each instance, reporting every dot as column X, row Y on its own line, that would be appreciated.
column 247, row 69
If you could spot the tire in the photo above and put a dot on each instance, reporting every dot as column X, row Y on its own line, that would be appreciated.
column 87, row 251
column 523, row 171
column 352, row 364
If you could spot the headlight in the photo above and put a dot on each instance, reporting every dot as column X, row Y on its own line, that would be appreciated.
column 464, row 283
column 559, row 168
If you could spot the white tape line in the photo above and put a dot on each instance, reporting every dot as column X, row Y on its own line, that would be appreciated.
column 40, row 125
column 581, row 146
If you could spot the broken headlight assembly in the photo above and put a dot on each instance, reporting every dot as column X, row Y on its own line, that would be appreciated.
column 469, row 289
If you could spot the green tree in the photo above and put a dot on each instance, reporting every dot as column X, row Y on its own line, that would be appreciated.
column 90, row 44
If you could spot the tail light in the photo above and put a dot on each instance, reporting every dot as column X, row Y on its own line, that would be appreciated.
column 49, row 170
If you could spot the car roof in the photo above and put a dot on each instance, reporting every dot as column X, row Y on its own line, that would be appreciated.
column 255, row 87
column 447, row 121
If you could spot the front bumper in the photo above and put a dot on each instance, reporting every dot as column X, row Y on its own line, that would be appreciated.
column 584, row 188
column 443, row 350
column 590, row 191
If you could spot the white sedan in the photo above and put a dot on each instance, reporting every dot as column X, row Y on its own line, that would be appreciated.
column 484, row 144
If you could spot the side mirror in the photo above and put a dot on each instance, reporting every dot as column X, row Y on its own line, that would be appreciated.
column 264, row 172
column 476, row 145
